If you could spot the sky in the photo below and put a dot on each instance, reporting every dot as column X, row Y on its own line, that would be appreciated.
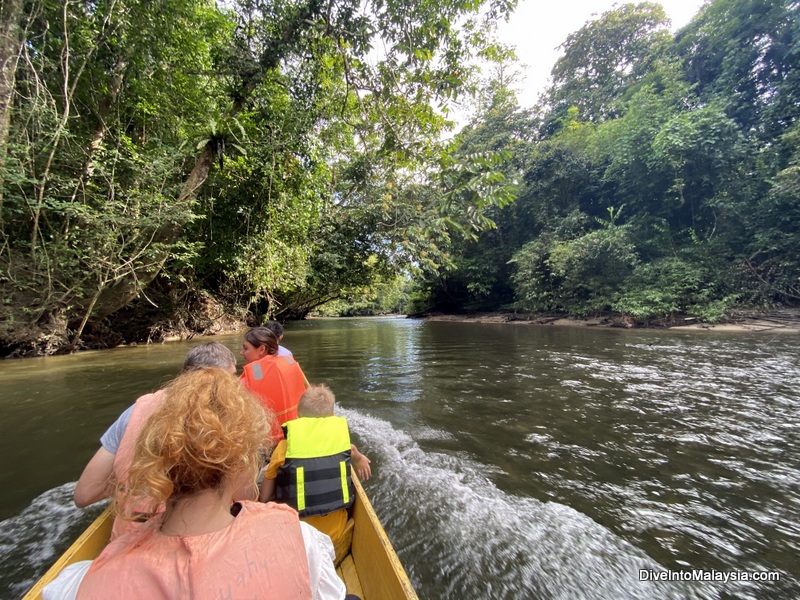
column 538, row 27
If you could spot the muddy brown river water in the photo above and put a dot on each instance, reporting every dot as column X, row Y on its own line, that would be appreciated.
column 510, row 461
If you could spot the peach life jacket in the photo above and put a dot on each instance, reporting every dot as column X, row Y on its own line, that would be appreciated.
column 144, row 407
column 278, row 382
column 261, row 554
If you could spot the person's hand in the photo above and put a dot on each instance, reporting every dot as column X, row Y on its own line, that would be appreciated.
column 363, row 470
column 360, row 464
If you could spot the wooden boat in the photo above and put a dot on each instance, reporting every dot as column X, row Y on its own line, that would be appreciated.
column 365, row 559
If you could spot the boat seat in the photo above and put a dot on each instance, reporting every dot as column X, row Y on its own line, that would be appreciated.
column 347, row 573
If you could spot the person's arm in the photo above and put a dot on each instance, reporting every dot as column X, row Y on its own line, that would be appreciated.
column 267, row 490
column 95, row 481
column 360, row 463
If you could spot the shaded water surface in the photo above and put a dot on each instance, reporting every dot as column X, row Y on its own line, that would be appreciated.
column 510, row 461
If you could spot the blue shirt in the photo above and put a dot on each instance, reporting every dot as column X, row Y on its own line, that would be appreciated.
column 111, row 439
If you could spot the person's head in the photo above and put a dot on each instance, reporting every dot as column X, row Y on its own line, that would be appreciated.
column 210, row 354
column 317, row 401
column 205, row 435
column 276, row 328
column 258, row 343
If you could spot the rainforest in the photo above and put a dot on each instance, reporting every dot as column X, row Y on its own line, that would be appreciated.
column 178, row 167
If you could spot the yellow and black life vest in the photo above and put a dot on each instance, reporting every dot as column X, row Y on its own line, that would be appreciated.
column 315, row 478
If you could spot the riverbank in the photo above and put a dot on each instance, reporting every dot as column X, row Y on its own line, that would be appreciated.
column 783, row 320
column 211, row 319
column 159, row 318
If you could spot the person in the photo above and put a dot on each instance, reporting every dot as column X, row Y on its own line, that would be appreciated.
column 277, row 329
column 197, row 448
column 277, row 381
column 318, row 445
column 112, row 460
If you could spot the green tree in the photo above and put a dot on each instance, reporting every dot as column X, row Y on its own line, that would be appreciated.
column 10, row 43
column 606, row 57
column 772, row 253
column 744, row 53
column 580, row 276
column 704, row 168
column 103, row 179
column 92, row 167
column 476, row 274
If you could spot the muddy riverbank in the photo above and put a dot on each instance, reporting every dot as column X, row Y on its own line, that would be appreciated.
column 783, row 320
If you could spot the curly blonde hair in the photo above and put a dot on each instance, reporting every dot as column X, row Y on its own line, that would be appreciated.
column 207, row 431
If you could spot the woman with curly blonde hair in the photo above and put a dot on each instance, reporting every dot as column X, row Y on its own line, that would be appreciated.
column 194, row 454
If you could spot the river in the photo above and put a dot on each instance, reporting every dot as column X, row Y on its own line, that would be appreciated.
column 509, row 461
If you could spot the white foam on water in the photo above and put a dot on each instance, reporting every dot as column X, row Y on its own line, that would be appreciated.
column 459, row 536
column 31, row 541
column 538, row 438
column 431, row 434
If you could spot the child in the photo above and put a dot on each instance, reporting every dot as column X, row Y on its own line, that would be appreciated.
column 313, row 459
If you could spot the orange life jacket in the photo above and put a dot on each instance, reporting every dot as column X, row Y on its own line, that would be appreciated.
column 144, row 407
column 278, row 382
column 261, row 554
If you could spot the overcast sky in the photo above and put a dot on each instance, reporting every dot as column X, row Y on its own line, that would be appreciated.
column 538, row 27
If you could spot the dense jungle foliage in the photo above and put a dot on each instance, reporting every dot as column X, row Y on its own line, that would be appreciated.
column 660, row 175
column 169, row 164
